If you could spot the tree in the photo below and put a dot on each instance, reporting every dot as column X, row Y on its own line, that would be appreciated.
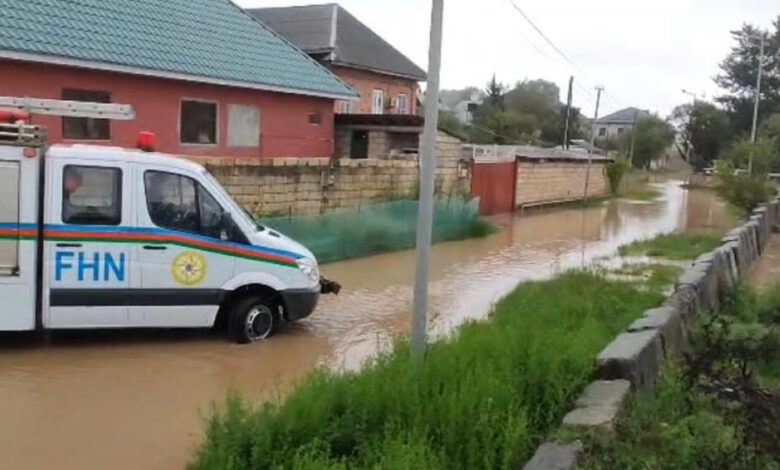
column 739, row 72
column 705, row 131
column 450, row 124
column 651, row 137
column 495, row 93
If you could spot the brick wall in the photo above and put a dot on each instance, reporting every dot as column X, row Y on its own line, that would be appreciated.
column 365, row 82
column 556, row 181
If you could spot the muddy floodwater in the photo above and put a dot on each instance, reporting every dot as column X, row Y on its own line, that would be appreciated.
column 136, row 400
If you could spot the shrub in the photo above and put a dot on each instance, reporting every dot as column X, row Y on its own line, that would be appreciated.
column 616, row 171
column 743, row 190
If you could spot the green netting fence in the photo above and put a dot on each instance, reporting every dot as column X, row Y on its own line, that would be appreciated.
column 378, row 228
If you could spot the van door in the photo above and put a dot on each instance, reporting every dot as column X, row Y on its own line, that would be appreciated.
column 87, row 244
column 18, row 230
column 183, row 262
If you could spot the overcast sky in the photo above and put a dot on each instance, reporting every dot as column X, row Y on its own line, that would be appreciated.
column 644, row 52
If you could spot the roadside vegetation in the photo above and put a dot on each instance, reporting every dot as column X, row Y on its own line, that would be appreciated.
column 483, row 398
column 380, row 228
column 673, row 246
column 719, row 407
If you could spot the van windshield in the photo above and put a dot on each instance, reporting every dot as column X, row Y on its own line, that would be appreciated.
column 237, row 209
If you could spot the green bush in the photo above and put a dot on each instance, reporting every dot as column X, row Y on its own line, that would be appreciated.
column 483, row 398
column 616, row 171
column 746, row 191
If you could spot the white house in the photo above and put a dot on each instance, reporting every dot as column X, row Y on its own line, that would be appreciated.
column 614, row 125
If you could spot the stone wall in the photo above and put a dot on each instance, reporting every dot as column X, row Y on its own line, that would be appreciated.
column 552, row 181
column 316, row 185
column 634, row 359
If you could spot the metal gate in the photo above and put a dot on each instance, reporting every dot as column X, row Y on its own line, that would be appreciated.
column 494, row 183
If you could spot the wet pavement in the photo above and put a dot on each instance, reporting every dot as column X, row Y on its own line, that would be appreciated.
column 136, row 400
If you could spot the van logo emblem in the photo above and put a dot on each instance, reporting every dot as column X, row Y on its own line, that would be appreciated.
column 189, row 268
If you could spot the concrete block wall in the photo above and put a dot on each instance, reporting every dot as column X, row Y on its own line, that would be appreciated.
column 557, row 181
column 634, row 359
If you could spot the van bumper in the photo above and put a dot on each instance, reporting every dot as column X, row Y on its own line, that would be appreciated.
column 300, row 303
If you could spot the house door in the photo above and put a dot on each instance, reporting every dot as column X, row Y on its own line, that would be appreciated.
column 359, row 144
column 378, row 102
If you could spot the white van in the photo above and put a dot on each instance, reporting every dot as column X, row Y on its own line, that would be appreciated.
column 103, row 237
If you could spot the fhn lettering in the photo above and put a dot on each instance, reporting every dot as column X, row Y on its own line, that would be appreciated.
column 95, row 267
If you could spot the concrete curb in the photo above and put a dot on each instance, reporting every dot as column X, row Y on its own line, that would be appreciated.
column 632, row 361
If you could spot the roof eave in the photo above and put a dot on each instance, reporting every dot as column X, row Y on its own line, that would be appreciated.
column 132, row 70
column 417, row 78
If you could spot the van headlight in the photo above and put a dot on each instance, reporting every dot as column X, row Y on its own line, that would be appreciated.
column 309, row 267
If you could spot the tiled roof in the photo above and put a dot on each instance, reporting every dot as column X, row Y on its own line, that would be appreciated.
column 202, row 40
column 330, row 29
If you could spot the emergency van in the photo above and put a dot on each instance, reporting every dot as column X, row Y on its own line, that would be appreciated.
column 104, row 237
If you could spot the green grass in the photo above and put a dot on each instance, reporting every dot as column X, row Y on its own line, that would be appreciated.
column 650, row 276
column 641, row 194
column 673, row 246
column 483, row 398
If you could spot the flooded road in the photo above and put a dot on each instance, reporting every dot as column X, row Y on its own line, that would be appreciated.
column 135, row 400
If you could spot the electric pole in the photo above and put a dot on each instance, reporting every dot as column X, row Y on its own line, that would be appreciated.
column 757, row 103
column 633, row 140
column 599, row 89
column 427, row 175
column 568, row 115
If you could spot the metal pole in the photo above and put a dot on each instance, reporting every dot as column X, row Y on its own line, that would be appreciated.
column 568, row 115
column 427, row 175
column 758, row 102
column 599, row 89
column 633, row 140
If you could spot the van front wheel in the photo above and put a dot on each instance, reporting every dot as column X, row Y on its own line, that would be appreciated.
column 253, row 319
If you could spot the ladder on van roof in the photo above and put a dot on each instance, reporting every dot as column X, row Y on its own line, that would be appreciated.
column 14, row 130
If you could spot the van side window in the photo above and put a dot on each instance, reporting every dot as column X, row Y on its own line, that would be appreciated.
column 179, row 203
column 91, row 195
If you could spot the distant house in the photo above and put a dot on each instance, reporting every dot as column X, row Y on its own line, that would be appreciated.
column 204, row 76
column 614, row 125
column 386, row 80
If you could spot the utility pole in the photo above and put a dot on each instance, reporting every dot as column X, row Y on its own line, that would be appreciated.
column 633, row 140
column 757, row 103
column 599, row 89
column 690, row 120
column 568, row 115
column 427, row 175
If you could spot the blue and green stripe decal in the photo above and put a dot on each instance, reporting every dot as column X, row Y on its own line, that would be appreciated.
column 150, row 236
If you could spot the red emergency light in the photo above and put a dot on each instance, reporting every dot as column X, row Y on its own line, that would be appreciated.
column 146, row 141
column 10, row 116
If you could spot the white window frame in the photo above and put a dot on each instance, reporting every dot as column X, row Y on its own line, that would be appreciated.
column 346, row 107
column 216, row 123
column 378, row 101
column 405, row 98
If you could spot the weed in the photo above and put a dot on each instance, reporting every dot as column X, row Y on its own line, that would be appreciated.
column 674, row 246
column 483, row 398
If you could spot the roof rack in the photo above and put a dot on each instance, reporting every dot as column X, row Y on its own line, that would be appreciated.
column 77, row 109
column 22, row 135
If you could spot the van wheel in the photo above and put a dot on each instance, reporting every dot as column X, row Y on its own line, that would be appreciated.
column 253, row 319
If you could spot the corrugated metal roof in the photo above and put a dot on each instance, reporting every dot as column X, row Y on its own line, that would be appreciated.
column 331, row 29
column 624, row 116
column 210, row 40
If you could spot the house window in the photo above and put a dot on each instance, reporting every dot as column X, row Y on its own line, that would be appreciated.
column 86, row 128
column 621, row 130
column 378, row 102
column 402, row 104
column 345, row 107
column 315, row 118
column 243, row 129
column 198, row 122
column 602, row 131
column 91, row 195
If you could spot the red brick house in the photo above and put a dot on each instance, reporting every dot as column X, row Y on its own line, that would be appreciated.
column 192, row 69
column 386, row 80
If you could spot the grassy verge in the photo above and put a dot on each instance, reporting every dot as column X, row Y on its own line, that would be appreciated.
column 641, row 194
column 481, row 399
column 674, row 246
column 715, row 409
